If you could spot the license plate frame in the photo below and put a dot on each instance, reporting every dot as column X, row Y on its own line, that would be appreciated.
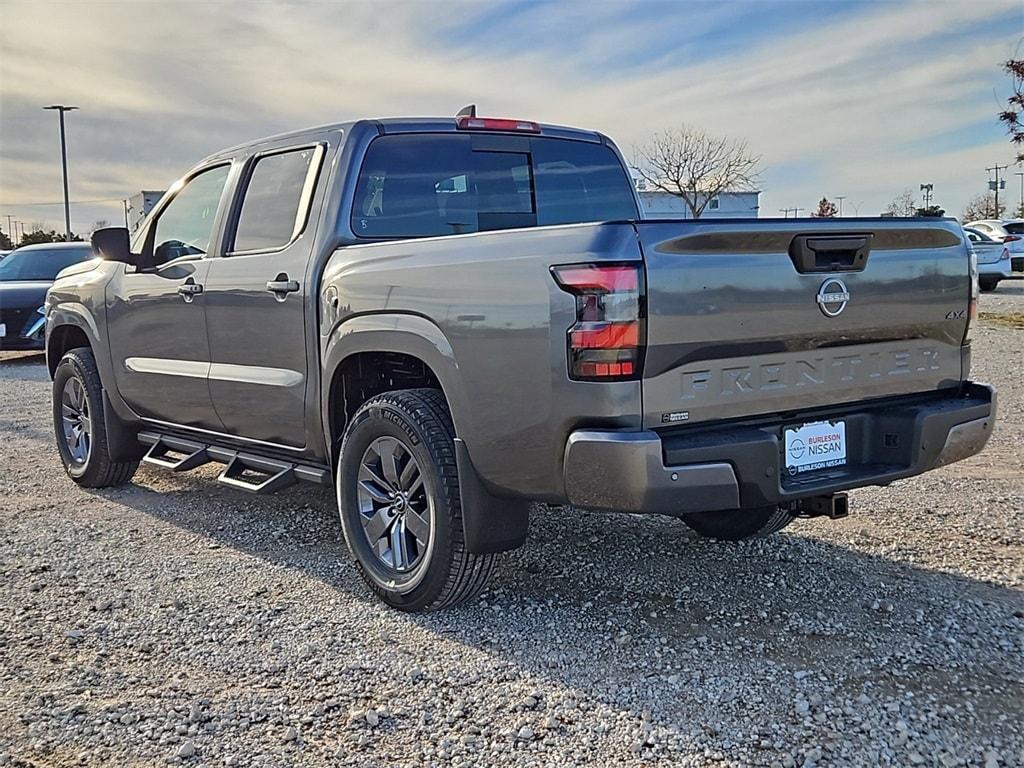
column 814, row 445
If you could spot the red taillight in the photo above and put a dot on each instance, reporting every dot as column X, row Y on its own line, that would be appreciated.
column 1011, row 238
column 467, row 123
column 607, row 339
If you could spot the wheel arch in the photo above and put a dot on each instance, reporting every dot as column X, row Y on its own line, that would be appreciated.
column 394, row 340
column 388, row 340
column 70, row 326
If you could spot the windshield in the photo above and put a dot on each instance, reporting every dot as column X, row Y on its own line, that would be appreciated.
column 40, row 263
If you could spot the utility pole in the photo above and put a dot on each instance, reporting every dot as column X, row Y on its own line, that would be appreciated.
column 61, row 109
column 1020, row 208
column 927, row 189
column 9, row 233
column 994, row 185
column 840, row 198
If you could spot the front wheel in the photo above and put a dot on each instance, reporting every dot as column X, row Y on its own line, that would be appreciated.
column 78, row 421
column 738, row 524
column 398, row 497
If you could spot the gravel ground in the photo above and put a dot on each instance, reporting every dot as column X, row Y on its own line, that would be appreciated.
column 177, row 622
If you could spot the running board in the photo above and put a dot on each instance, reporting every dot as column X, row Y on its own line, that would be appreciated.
column 243, row 471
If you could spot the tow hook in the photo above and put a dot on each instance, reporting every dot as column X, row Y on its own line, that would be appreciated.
column 834, row 506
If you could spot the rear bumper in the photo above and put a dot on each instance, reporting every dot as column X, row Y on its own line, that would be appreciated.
column 740, row 465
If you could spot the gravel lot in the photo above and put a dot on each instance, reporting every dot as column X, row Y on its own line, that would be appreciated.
column 178, row 622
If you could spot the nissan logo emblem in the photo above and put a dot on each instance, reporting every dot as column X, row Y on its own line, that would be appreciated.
column 833, row 297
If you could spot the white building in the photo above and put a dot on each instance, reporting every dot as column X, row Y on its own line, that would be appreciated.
column 140, row 204
column 727, row 205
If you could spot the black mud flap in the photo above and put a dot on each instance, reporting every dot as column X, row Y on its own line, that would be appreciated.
column 122, row 440
column 490, row 523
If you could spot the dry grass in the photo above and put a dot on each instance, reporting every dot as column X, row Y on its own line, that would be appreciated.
column 1011, row 320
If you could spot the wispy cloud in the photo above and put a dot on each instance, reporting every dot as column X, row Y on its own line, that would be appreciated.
column 860, row 99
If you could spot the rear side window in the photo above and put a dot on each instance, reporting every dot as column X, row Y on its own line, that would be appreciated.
column 276, row 201
column 431, row 184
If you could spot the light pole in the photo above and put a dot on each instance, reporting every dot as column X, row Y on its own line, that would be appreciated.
column 927, row 190
column 61, row 109
column 1020, row 206
column 840, row 198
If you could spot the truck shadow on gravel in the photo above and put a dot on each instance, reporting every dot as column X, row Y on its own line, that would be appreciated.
column 640, row 610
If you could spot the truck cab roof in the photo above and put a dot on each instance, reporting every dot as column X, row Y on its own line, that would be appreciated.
column 393, row 125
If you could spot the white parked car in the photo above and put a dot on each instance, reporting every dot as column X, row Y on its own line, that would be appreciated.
column 994, row 260
column 1010, row 232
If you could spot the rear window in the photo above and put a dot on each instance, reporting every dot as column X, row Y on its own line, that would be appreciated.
column 1014, row 227
column 431, row 184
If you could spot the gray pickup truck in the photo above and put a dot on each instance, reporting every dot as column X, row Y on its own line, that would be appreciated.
column 450, row 319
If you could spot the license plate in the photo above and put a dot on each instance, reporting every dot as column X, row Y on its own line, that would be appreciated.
column 3, row 330
column 813, row 446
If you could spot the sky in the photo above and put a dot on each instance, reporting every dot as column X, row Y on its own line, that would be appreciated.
column 838, row 97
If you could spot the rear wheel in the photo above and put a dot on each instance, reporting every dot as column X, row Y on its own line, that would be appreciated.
column 78, row 422
column 987, row 284
column 738, row 524
column 398, row 497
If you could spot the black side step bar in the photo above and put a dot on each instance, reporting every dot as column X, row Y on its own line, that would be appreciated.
column 244, row 471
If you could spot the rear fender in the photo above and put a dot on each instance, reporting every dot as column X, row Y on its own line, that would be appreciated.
column 490, row 523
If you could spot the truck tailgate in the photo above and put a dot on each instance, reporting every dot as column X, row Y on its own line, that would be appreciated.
column 753, row 317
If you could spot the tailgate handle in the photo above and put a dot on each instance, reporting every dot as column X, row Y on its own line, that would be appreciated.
column 830, row 253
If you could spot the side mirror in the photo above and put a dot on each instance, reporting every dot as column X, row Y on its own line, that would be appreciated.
column 112, row 244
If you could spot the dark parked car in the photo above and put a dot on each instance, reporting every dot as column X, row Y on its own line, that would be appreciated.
column 25, row 275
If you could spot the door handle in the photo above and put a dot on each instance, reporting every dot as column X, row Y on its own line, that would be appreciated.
column 282, row 286
column 189, row 290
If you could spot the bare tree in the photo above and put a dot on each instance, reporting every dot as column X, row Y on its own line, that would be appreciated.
column 904, row 204
column 99, row 224
column 695, row 166
column 983, row 207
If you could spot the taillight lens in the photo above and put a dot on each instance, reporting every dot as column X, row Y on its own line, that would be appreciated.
column 606, row 342
column 1005, row 256
column 1011, row 238
column 972, row 302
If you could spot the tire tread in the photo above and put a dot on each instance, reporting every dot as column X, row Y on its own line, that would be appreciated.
column 104, row 472
column 468, row 573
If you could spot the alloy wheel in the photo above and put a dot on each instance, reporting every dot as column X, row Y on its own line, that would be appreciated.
column 395, row 510
column 76, row 420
